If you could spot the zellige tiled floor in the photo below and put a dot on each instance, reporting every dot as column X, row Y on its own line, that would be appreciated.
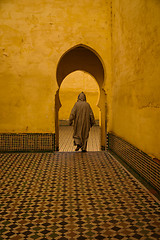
column 74, row 195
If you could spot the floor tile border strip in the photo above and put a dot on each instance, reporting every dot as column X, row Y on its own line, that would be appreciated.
column 137, row 159
column 136, row 177
column 27, row 142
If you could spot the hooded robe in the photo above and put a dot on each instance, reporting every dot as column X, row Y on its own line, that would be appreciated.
column 83, row 118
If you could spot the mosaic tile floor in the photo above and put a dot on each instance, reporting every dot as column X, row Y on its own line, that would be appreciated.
column 73, row 196
column 66, row 139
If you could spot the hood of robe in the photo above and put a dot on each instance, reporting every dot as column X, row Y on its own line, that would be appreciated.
column 82, row 97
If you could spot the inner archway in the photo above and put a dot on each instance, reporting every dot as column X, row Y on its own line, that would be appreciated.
column 70, row 88
column 82, row 58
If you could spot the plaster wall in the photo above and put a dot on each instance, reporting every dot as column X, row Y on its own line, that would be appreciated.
column 136, row 71
column 34, row 35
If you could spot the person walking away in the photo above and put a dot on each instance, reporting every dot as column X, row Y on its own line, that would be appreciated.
column 83, row 118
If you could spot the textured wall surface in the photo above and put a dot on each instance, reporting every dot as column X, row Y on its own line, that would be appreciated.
column 136, row 73
column 33, row 36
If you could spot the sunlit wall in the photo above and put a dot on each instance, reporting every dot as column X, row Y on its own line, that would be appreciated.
column 72, row 85
column 136, row 73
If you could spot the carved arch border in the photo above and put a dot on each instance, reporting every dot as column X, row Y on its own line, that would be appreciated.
column 84, row 58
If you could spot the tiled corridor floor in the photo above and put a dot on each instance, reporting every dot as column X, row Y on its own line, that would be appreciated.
column 66, row 139
column 73, row 196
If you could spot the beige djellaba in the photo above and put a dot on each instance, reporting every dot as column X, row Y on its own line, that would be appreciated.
column 83, row 118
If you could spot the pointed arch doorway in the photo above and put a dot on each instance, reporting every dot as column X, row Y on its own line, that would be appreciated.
column 82, row 58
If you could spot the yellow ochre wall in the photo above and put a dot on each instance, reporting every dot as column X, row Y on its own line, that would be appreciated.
column 72, row 85
column 34, row 35
column 136, row 73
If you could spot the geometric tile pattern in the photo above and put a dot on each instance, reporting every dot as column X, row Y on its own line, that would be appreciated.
column 66, row 139
column 147, row 167
column 73, row 196
column 15, row 142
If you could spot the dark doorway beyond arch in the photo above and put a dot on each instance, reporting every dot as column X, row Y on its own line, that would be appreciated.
column 83, row 58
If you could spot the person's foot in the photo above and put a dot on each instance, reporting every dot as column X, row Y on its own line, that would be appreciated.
column 77, row 148
column 84, row 150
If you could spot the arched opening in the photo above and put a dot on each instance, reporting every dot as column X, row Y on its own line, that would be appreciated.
column 72, row 85
column 85, row 59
